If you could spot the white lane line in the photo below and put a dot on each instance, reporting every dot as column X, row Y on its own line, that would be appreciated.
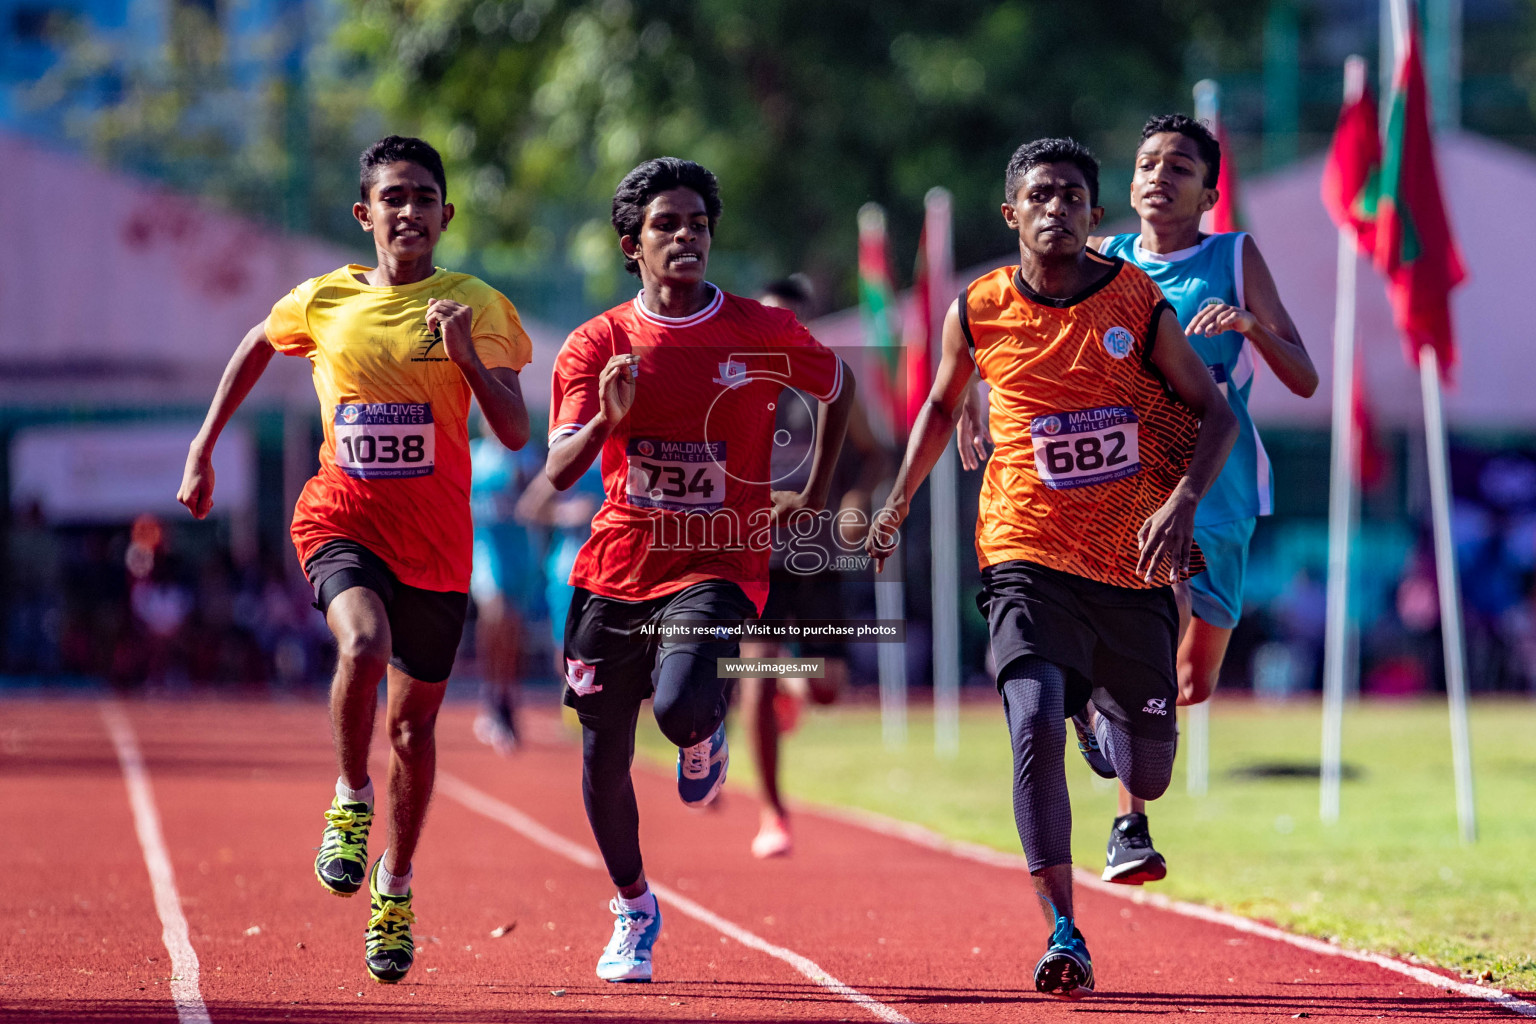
column 146, row 821
column 924, row 837
column 483, row 803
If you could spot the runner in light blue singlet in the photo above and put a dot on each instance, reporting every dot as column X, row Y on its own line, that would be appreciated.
column 1231, row 311
column 1206, row 274
column 505, row 583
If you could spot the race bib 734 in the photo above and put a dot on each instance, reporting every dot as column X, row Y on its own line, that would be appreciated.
column 679, row 476
column 384, row 439
column 1089, row 446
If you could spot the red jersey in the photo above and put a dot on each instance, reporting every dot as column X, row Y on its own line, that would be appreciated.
column 686, row 475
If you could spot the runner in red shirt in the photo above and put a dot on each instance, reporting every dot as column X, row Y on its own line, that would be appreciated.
column 383, row 529
column 676, row 392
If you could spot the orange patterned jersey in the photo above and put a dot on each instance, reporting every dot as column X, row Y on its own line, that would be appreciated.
column 1089, row 440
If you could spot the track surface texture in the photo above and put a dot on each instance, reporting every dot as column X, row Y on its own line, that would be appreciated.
column 118, row 818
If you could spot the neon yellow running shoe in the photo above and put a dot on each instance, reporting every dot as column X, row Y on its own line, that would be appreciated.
column 388, row 949
column 343, row 860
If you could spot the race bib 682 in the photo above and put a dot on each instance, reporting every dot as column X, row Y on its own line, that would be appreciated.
column 384, row 439
column 1089, row 446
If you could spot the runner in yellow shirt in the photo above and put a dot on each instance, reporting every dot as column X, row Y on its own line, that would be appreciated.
column 383, row 529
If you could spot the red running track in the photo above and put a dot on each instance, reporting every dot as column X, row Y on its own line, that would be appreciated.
column 160, row 869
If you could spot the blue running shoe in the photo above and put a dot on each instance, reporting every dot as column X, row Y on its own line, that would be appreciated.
column 1066, row 969
column 701, row 769
column 1088, row 746
column 628, row 954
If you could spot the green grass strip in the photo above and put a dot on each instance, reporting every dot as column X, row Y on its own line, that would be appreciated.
column 1391, row 876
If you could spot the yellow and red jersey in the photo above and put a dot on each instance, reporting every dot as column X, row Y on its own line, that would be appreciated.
column 686, row 473
column 1089, row 440
column 394, row 468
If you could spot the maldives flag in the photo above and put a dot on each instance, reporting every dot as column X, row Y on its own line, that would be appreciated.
column 1225, row 215
column 1414, row 246
column 877, row 302
column 917, row 334
column 1369, row 456
column 1352, row 174
column 932, row 287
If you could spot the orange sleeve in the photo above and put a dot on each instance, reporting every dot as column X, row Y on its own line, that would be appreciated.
column 288, row 323
column 499, row 336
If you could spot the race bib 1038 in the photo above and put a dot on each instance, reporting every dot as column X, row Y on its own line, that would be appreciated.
column 384, row 439
column 1090, row 446
column 679, row 476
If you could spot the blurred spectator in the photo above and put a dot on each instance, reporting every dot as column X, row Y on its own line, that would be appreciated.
column 1418, row 597
column 160, row 604
column 130, row 606
column 32, row 584
column 294, row 642
column 1518, row 627
column 506, row 584
column 1302, row 615
column 1399, row 676
column 567, row 515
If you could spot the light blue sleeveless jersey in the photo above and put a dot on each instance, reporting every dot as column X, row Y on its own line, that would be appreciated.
column 1208, row 273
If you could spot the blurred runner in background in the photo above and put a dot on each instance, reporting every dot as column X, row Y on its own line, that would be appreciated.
column 804, row 582
column 567, row 518
column 507, row 584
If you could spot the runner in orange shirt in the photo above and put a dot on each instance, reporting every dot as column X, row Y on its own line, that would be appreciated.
column 383, row 529
column 1108, row 430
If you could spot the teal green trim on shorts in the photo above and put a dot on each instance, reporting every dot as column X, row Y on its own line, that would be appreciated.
column 1216, row 595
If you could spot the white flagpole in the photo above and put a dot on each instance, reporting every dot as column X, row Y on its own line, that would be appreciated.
column 890, row 603
column 1451, row 633
column 1197, row 717
column 1452, row 636
column 944, row 497
column 890, row 593
column 1341, row 499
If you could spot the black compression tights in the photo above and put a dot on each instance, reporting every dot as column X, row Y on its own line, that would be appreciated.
column 1033, row 692
column 690, row 704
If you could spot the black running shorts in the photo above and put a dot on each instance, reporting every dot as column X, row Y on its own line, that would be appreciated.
column 1115, row 644
column 424, row 625
column 610, row 661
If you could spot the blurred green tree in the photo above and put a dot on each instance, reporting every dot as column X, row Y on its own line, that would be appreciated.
column 260, row 122
column 804, row 109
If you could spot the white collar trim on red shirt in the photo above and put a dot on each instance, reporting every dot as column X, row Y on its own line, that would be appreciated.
column 681, row 321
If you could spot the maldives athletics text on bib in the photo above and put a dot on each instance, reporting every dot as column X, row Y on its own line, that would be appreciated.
column 376, row 440
column 678, row 476
column 1088, row 446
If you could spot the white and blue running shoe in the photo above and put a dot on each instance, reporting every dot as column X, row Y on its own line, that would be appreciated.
column 1066, row 969
column 701, row 769
column 627, row 956
column 1088, row 746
